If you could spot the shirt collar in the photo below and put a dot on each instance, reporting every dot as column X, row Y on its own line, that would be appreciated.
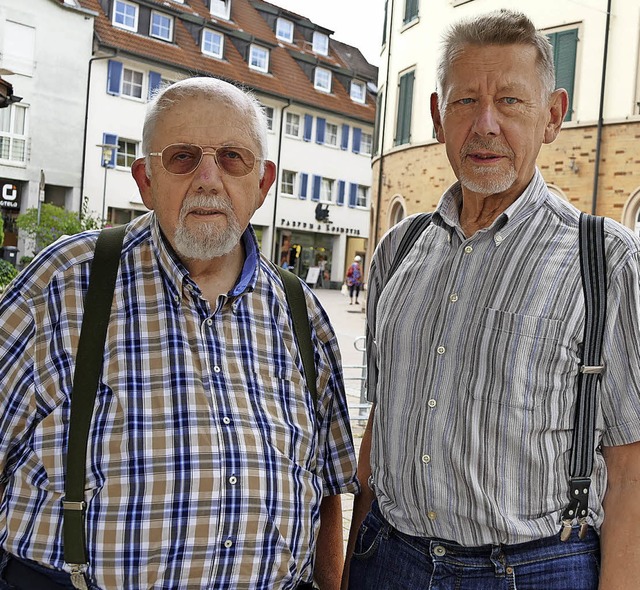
column 178, row 276
column 523, row 207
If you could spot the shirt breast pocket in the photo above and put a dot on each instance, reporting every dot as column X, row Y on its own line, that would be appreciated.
column 517, row 359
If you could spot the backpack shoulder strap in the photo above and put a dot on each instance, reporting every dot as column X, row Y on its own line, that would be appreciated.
column 593, row 268
column 89, row 361
column 300, row 318
column 414, row 231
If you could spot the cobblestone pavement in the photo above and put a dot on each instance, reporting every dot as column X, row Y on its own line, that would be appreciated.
column 349, row 323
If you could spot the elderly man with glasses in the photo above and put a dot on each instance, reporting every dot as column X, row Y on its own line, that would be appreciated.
column 210, row 464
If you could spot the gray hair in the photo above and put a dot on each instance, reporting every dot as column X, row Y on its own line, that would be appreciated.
column 500, row 27
column 208, row 89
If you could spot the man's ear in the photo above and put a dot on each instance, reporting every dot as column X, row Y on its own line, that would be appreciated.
column 268, row 178
column 436, row 118
column 139, row 173
column 558, row 106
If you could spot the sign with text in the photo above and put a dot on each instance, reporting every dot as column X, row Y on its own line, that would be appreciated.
column 9, row 195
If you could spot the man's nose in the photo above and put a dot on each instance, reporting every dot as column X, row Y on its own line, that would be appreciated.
column 486, row 121
column 208, row 174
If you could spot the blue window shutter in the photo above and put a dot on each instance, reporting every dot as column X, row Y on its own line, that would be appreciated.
column 114, row 77
column 340, row 199
column 345, row 137
column 357, row 137
column 304, row 179
column 308, row 123
column 353, row 194
column 154, row 83
column 315, row 196
column 320, row 126
column 113, row 140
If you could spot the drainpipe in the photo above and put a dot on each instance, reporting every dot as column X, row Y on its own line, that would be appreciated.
column 383, row 118
column 274, row 253
column 86, row 119
column 594, row 198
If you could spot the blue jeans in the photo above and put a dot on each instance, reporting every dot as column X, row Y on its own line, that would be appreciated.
column 386, row 559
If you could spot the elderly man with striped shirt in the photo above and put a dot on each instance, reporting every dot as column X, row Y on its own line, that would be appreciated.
column 475, row 350
column 210, row 465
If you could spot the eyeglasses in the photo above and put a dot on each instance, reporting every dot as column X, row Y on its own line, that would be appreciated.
column 184, row 158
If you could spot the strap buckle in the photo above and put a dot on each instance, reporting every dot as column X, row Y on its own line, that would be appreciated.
column 69, row 505
column 591, row 370
column 578, row 508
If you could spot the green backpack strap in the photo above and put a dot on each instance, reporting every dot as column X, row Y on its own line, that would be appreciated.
column 300, row 318
column 89, row 362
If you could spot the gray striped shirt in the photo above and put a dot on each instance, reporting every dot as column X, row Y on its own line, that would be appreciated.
column 478, row 347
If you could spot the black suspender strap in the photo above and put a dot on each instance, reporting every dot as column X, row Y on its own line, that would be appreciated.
column 414, row 231
column 89, row 361
column 593, row 268
column 300, row 318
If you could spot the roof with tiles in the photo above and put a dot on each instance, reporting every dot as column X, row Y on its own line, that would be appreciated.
column 291, row 65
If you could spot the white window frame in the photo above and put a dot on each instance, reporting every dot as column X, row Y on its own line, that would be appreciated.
column 362, row 193
column 320, row 43
column 289, row 178
column 255, row 59
column 136, row 15
column 359, row 96
column 124, row 155
column 327, row 187
column 290, row 125
column 331, row 131
column 221, row 8
column 366, row 143
column 318, row 83
column 132, row 83
column 162, row 15
column 13, row 137
column 212, row 33
column 18, row 47
column 288, row 35
column 269, row 113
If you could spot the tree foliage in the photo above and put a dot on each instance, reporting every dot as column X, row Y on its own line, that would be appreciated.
column 7, row 274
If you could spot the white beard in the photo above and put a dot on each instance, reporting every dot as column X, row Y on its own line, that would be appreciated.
column 485, row 180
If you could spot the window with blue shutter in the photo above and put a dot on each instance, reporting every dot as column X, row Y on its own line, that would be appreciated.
column 109, row 139
column 353, row 194
column 308, row 124
column 114, row 77
column 154, row 83
column 345, row 137
column 357, row 137
column 405, row 106
column 304, row 179
column 315, row 195
column 320, row 127
column 340, row 199
column 565, row 48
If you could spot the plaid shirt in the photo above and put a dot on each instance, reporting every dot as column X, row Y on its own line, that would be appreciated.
column 206, row 467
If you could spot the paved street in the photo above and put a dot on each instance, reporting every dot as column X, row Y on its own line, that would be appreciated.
column 349, row 324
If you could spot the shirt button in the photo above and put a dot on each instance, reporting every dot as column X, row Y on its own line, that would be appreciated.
column 498, row 239
column 176, row 298
column 228, row 543
column 441, row 350
column 226, row 420
column 233, row 480
column 432, row 516
column 216, row 369
column 439, row 550
column 209, row 322
column 426, row 459
column 453, row 297
column 432, row 403
column 468, row 249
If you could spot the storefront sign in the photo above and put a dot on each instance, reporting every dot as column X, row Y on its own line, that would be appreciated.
column 319, row 227
column 9, row 195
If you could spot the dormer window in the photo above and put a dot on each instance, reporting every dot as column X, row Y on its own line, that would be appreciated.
column 221, row 8
column 212, row 43
column 320, row 43
column 322, row 80
column 125, row 15
column 161, row 26
column 358, row 91
column 284, row 30
column 258, row 58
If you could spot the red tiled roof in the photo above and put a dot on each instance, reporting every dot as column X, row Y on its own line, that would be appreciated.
column 286, row 79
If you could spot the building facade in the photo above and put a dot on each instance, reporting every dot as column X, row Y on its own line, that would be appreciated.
column 594, row 163
column 41, row 135
column 319, row 96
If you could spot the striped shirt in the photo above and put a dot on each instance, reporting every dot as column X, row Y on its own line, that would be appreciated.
column 478, row 349
column 206, row 467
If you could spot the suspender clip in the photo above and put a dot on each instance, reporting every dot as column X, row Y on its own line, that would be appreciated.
column 591, row 370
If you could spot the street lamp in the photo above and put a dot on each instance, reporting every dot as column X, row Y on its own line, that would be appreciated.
column 107, row 155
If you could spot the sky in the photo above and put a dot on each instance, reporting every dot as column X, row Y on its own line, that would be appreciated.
column 356, row 22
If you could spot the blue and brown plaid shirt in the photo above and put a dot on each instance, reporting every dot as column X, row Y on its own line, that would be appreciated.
column 206, row 467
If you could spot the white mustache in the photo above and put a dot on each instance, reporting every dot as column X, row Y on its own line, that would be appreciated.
column 491, row 146
column 205, row 202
